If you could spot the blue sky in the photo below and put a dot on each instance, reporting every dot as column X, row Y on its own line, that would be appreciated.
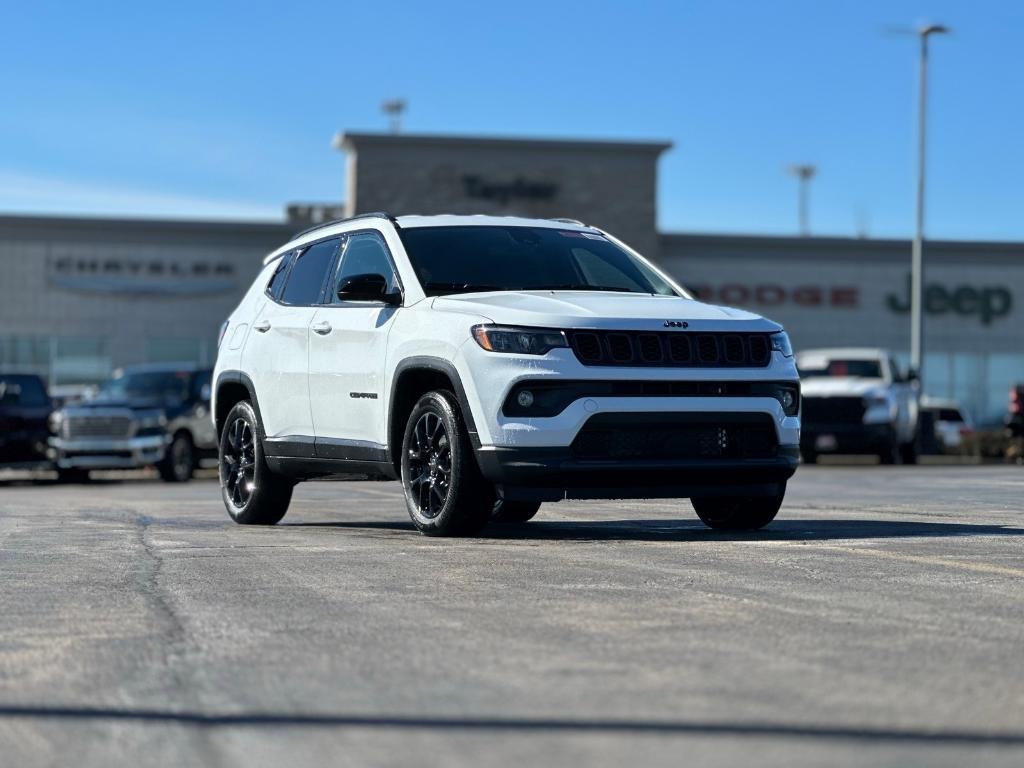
column 226, row 110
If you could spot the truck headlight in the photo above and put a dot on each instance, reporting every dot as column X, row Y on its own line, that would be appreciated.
column 780, row 343
column 519, row 341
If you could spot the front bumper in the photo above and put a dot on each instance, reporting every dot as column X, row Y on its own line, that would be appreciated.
column 128, row 453
column 550, row 474
column 846, row 438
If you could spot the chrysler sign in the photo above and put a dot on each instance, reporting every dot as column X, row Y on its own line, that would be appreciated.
column 141, row 277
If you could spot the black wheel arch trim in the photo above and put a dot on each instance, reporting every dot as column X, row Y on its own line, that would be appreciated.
column 237, row 377
column 438, row 365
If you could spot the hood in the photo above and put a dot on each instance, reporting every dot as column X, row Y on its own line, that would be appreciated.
column 131, row 403
column 601, row 309
column 840, row 386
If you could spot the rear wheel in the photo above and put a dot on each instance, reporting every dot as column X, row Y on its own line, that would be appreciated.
column 252, row 494
column 514, row 511
column 180, row 461
column 444, row 491
column 738, row 513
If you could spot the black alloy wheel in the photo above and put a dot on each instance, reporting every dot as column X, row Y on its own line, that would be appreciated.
column 238, row 462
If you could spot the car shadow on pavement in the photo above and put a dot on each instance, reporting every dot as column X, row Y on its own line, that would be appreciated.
column 934, row 736
column 693, row 530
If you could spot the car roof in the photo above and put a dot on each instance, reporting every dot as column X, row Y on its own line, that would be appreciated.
column 413, row 221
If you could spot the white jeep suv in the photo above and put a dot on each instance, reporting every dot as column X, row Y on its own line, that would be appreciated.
column 494, row 363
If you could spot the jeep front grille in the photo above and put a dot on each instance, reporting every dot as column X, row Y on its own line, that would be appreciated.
column 672, row 349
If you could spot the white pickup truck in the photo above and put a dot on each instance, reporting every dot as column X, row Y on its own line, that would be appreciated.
column 857, row 401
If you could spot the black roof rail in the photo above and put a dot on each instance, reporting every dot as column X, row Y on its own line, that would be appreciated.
column 569, row 221
column 332, row 222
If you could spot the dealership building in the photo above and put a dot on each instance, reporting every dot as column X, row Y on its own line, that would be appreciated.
column 79, row 297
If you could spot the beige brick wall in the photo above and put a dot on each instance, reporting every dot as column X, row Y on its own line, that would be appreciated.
column 611, row 185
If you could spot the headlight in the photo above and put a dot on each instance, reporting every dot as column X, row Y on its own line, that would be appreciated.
column 152, row 421
column 520, row 341
column 780, row 343
column 55, row 420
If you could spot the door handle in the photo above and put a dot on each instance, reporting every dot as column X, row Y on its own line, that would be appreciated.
column 323, row 327
column 262, row 326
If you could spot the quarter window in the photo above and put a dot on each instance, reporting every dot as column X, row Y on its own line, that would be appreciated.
column 306, row 278
column 277, row 280
column 364, row 254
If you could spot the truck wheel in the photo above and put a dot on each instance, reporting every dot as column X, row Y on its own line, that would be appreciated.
column 444, row 491
column 738, row 513
column 252, row 494
column 890, row 454
column 514, row 511
column 72, row 475
column 908, row 452
column 180, row 461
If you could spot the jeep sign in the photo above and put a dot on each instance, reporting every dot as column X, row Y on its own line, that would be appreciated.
column 988, row 303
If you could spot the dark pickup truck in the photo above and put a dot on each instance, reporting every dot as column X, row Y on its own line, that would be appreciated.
column 152, row 415
column 25, row 410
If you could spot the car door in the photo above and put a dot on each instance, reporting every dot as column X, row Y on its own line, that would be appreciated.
column 347, row 350
column 276, row 353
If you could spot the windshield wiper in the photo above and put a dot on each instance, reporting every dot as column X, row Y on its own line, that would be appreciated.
column 578, row 287
column 460, row 288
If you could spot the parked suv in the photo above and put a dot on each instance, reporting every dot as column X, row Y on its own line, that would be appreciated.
column 492, row 364
column 25, row 409
column 145, row 415
column 858, row 401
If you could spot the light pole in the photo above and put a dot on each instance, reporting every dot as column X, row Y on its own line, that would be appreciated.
column 804, row 173
column 394, row 109
column 916, row 260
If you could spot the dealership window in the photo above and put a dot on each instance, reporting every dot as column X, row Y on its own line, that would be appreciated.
column 25, row 354
column 79, row 360
column 179, row 349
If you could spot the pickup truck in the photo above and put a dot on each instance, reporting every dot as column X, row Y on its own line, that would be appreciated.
column 857, row 401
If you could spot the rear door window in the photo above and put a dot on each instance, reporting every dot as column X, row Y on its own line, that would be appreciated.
column 307, row 275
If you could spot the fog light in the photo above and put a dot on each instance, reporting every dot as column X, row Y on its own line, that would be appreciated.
column 525, row 398
column 786, row 399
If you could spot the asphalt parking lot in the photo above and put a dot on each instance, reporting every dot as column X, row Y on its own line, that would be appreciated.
column 878, row 621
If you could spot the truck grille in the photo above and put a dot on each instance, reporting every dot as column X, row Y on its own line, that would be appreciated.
column 675, row 350
column 89, row 427
column 676, row 436
column 832, row 410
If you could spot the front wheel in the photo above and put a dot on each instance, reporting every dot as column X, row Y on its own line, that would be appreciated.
column 444, row 491
column 252, row 494
column 738, row 513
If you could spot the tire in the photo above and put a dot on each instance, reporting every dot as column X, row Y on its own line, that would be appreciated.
column 73, row 475
column 252, row 494
column 180, row 461
column 514, row 511
column 891, row 453
column 809, row 458
column 738, row 513
column 445, row 493
column 908, row 452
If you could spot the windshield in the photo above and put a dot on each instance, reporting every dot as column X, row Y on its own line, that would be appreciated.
column 22, row 390
column 484, row 258
column 162, row 385
column 866, row 369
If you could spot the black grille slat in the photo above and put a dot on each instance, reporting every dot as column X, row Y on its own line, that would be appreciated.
column 671, row 348
column 620, row 347
column 650, row 348
column 588, row 347
column 679, row 348
column 831, row 410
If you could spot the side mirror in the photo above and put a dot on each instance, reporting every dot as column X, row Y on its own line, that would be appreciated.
column 912, row 375
column 371, row 287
